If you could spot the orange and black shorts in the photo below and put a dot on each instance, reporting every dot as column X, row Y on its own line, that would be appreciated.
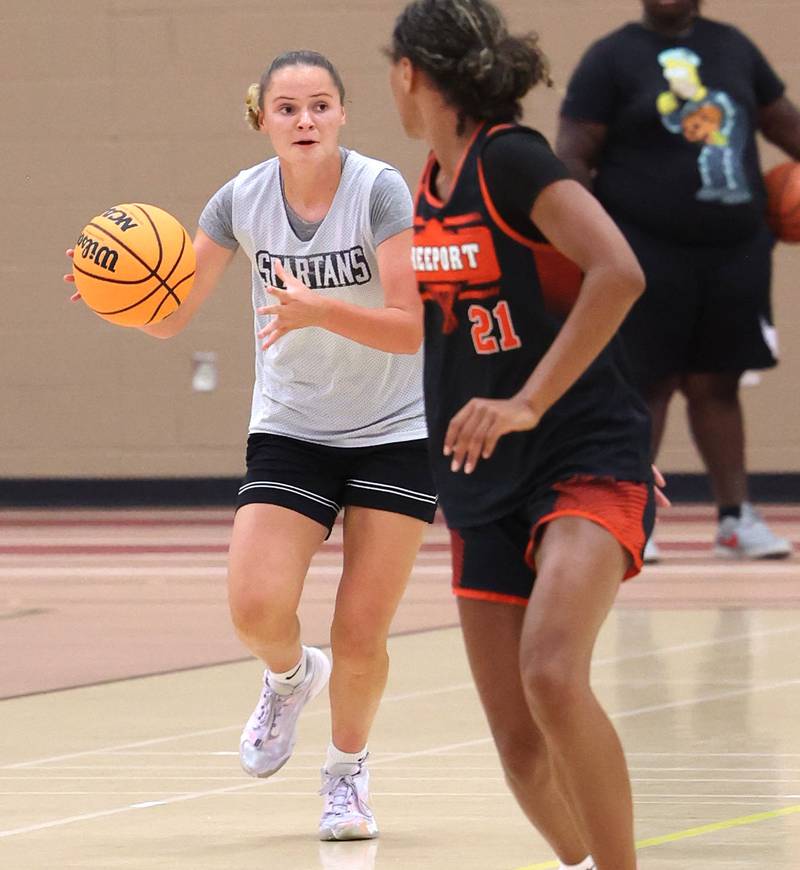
column 495, row 561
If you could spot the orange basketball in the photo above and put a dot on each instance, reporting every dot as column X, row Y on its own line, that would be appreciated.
column 134, row 264
column 783, row 201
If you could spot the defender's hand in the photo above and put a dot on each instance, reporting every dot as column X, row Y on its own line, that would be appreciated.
column 661, row 499
column 475, row 430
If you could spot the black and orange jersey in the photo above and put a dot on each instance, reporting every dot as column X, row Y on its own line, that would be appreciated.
column 496, row 294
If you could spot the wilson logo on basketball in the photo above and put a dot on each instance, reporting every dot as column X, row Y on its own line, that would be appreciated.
column 123, row 220
column 100, row 255
column 454, row 260
column 133, row 264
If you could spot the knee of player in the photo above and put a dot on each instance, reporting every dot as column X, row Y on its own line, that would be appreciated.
column 551, row 684
column 700, row 388
column 254, row 608
column 356, row 643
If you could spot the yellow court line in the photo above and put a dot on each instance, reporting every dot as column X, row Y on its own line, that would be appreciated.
column 692, row 832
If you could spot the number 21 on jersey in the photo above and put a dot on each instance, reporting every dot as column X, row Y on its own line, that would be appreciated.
column 483, row 320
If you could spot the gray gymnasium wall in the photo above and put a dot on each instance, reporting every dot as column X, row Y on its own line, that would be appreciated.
column 107, row 101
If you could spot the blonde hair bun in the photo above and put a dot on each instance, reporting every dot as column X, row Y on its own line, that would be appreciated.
column 253, row 102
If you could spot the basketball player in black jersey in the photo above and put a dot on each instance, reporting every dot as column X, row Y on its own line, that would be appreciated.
column 539, row 443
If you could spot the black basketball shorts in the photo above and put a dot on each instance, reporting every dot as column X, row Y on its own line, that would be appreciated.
column 496, row 561
column 706, row 309
column 318, row 480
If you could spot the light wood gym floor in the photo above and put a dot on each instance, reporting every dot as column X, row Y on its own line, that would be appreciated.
column 125, row 690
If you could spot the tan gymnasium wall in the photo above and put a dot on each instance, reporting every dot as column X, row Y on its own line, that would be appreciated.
column 106, row 101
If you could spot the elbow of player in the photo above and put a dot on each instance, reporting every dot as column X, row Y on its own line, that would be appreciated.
column 407, row 337
column 631, row 280
column 407, row 346
column 415, row 336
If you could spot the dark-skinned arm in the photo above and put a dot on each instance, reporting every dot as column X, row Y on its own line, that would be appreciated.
column 579, row 144
column 576, row 224
column 779, row 122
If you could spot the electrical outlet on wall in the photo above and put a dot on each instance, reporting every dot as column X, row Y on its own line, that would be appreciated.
column 205, row 375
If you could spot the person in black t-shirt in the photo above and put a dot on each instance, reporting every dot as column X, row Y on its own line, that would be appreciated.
column 539, row 444
column 660, row 120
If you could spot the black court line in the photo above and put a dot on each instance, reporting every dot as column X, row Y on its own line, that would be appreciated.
column 200, row 667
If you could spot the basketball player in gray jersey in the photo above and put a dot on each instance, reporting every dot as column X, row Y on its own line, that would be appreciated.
column 337, row 417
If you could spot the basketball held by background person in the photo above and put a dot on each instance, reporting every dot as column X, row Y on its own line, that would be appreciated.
column 539, row 444
column 337, row 421
column 660, row 121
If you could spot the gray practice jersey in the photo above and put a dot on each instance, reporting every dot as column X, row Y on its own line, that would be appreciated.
column 313, row 384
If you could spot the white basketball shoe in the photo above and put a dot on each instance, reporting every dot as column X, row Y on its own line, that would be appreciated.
column 268, row 738
column 652, row 552
column 749, row 537
column 346, row 815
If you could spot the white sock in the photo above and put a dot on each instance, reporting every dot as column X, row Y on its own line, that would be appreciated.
column 586, row 864
column 284, row 683
column 344, row 763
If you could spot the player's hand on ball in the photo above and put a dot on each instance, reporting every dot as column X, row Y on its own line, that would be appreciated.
column 297, row 307
column 475, row 430
column 70, row 278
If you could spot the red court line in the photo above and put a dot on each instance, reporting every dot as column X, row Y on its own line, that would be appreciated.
column 100, row 523
column 667, row 516
column 134, row 549
column 131, row 549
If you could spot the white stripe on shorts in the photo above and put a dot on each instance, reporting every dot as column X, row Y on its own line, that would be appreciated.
column 295, row 490
column 393, row 490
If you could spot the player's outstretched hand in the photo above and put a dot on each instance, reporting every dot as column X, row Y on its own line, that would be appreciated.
column 297, row 307
column 475, row 430
column 70, row 278
column 661, row 499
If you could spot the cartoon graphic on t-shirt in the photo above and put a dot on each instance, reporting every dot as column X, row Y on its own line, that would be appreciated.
column 708, row 117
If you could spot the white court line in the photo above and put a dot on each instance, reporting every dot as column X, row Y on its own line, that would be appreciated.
column 95, row 793
column 422, row 693
column 701, row 754
column 718, row 696
column 55, row 823
column 701, row 769
column 713, row 801
column 439, row 750
column 383, row 760
column 703, row 800
column 712, row 779
column 698, row 644
column 110, row 749
column 493, row 754
column 313, row 775
column 396, row 697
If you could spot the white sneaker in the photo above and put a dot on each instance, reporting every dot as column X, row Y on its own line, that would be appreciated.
column 347, row 815
column 749, row 537
column 652, row 553
column 268, row 738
